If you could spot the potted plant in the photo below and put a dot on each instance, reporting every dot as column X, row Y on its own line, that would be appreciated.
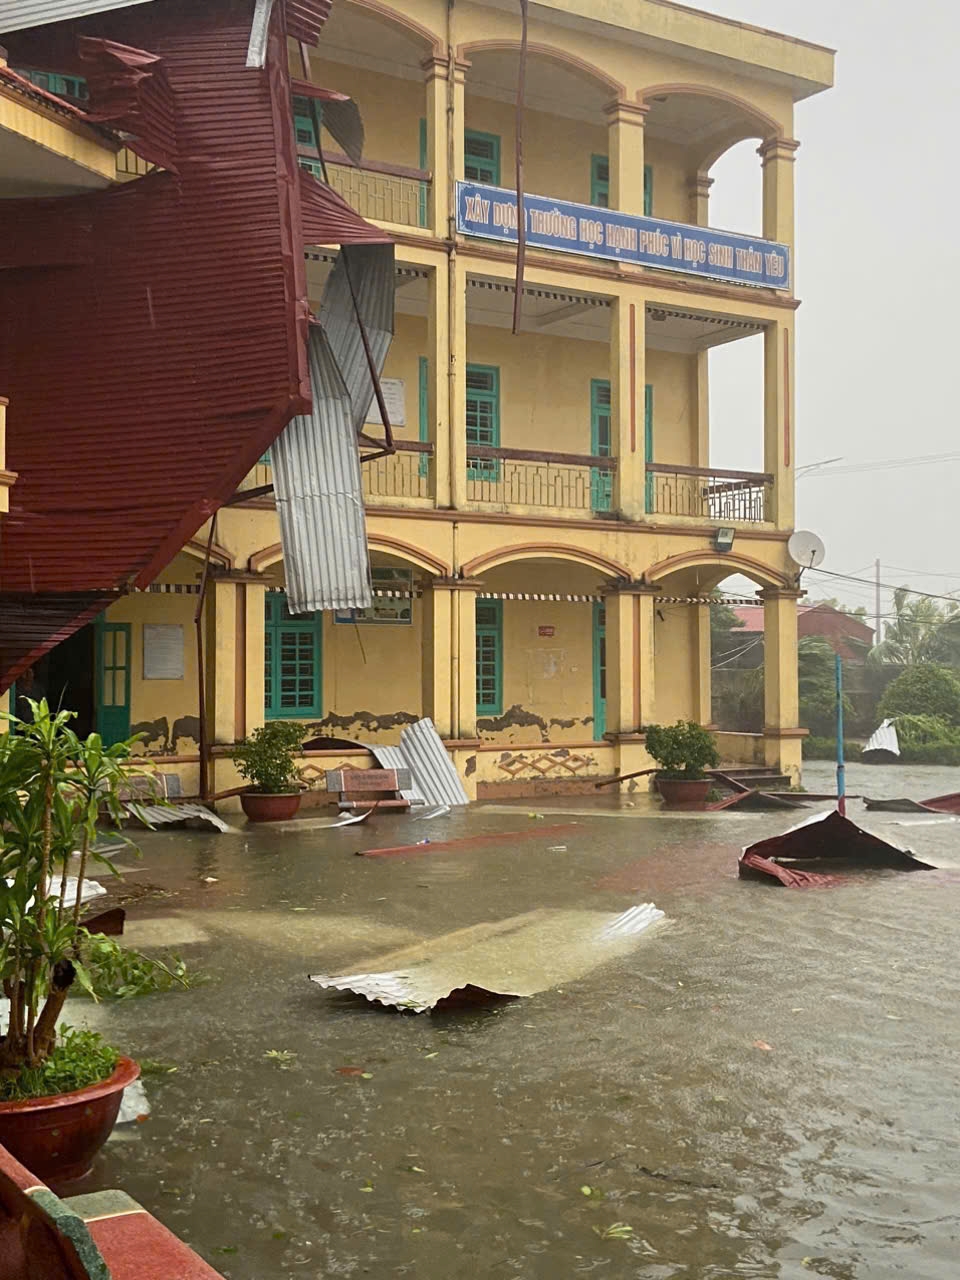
column 267, row 759
column 60, row 1091
column 683, row 751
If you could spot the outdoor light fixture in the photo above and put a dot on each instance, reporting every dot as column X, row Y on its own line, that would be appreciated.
column 723, row 539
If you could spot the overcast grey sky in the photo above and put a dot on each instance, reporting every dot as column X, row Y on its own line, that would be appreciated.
column 877, row 267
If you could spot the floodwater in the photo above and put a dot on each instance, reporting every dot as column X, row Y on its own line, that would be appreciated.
column 766, row 1087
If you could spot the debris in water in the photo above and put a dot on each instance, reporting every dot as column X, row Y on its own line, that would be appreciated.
column 824, row 838
column 518, row 957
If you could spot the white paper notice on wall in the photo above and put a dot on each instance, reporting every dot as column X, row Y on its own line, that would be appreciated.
column 395, row 397
column 162, row 651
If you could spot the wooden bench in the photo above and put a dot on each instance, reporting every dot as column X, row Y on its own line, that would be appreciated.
column 370, row 788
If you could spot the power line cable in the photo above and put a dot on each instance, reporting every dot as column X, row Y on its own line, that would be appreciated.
column 886, row 586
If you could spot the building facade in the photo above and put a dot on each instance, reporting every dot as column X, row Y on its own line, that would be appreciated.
column 545, row 537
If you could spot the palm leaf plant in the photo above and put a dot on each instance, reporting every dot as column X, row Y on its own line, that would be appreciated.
column 53, row 786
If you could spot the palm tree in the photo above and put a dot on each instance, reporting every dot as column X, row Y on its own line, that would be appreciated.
column 921, row 632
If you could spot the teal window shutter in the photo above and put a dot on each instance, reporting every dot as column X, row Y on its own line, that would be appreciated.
column 648, row 190
column 601, row 444
column 489, row 657
column 304, row 131
column 600, row 181
column 292, row 667
column 483, row 418
column 481, row 160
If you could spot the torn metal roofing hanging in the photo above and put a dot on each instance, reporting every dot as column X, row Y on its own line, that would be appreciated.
column 316, row 474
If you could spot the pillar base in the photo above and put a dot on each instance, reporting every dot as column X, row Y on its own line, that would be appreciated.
column 783, row 750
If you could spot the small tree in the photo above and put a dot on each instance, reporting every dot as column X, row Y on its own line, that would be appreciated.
column 922, row 691
column 817, row 669
column 683, row 750
column 52, row 786
column 268, row 757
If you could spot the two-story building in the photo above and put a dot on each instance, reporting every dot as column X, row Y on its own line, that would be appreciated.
column 545, row 539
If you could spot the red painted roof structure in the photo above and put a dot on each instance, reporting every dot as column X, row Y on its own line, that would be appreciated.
column 155, row 343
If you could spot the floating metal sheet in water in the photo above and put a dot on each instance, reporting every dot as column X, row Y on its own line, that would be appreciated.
column 316, row 476
column 156, row 815
column 371, row 272
column 517, row 957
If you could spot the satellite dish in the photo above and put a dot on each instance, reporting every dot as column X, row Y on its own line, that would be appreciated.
column 806, row 549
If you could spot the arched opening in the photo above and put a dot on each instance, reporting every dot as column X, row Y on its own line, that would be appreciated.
column 565, row 129
column 355, row 674
column 376, row 55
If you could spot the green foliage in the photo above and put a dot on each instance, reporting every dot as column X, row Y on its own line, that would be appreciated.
column 117, row 973
column 922, row 691
column 817, row 678
column 922, row 731
column 682, row 750
column 723, row 617
column 922, row 631
column 946, row 753
column 81, row 1058
column 826, row 749
column 52, row 787
column 268, row 757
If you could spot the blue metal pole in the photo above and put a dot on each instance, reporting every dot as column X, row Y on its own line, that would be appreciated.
column 841, row 767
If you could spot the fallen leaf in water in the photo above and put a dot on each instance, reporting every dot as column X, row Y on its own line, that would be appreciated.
column 431, row 1055
column 762, row 1044
column 366, row 1075
column 586, row 1191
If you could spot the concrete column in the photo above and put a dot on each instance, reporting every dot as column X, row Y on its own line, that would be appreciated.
column 702, row 658
column 456, row 365
column 438, row 384
column 437, row 656
column 782, row 735
column 219, row 659
column 254, row 610
column 438, row 150
column 623, row 692
column 456, row 115
column 699, row 193
column 777, row 156
column 463, row 655
column 700, row 399
column 627, row 401
column 778, row 420
column 625, row 136
column 647, row 655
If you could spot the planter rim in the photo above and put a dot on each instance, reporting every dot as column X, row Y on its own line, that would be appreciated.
column 125, row 1072
column 255, row 791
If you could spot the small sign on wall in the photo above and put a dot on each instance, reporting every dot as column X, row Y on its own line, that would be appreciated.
column 395, row 398
column 162, row 651
column 546, row 631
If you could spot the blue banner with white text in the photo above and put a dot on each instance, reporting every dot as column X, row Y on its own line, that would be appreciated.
column 491, row 212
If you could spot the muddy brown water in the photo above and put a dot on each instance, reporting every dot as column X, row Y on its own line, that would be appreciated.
column 467, row 1150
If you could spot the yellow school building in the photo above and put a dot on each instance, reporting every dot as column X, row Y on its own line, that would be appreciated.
column 546, row 536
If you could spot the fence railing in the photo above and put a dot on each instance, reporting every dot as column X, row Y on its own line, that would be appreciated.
column 718, row 496
column 531, row 478
column 404, row 474
column 383, row 192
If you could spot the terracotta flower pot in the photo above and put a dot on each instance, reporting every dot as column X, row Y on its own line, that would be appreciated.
column 259, row 806
column 57, row 1138
column 684, row 793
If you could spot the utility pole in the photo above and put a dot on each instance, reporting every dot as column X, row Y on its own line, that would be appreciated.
column 876, row 603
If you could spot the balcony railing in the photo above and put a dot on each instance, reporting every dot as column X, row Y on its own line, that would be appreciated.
column 530, row 478
column 383, row 192
column 718, row 496
column 405, row 474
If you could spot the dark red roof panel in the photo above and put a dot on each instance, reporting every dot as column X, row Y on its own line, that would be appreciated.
column 328, row 219
column 305, row 18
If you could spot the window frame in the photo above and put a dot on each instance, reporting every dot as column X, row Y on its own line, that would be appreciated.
column 481, row 162
column 601, row 482
column 485, row 468
column 273, row 627
column 494, row 631
column 599, row 186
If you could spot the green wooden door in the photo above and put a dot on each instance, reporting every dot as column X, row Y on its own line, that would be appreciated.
column 648, row 447
column 483, row 418
column 489, row 657
column 113, row 681
column 601, row 482
column 599, row 671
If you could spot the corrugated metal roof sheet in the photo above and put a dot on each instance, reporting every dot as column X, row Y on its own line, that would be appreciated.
column 316, row 477
column 326, row 218
column 885, row 739
column 18, row 15
column 187, row 322
column 432, row 768
column 305, row 18
column 369, row 269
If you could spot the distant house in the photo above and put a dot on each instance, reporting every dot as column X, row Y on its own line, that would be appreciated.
column 847, row 634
